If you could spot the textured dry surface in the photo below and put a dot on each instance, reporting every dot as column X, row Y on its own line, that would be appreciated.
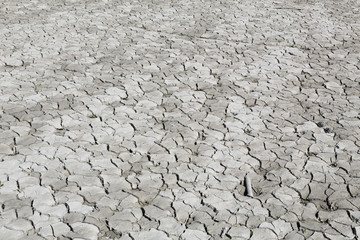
column 140, row 119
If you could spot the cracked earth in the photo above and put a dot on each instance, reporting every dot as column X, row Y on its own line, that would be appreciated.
column 141, row 119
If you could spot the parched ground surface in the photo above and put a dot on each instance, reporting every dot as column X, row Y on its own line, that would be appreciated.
column 140, row 119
